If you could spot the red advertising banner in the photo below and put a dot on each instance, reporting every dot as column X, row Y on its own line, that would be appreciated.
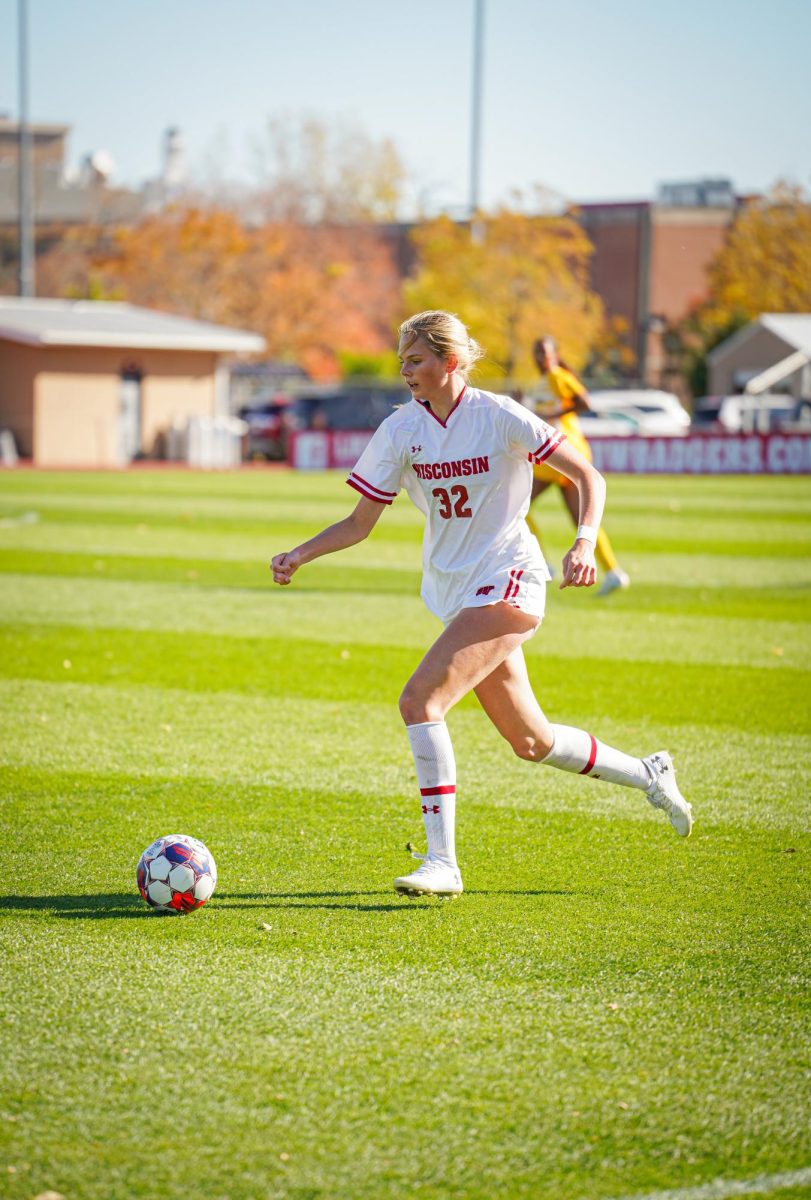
column 698, row 454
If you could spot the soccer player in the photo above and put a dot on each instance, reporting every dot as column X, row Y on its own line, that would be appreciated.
column 465, row 457
column 572, row 399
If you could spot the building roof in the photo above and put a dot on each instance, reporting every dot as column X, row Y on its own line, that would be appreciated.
column 106, row 323
column 792, row 328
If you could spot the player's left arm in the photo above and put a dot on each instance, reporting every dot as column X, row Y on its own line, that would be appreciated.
column 579, row 569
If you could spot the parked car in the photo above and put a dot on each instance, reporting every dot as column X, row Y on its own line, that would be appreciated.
column 608, row 424
column 745, row 414
column 654, row 413
column 270, row 422
column 267, row 430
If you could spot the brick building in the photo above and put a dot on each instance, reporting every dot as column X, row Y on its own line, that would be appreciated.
column 650, row 261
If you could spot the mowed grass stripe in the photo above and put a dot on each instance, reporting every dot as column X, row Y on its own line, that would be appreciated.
column 240, row 538
column 216, row 571
column 292, row 747
column 599, row 630
column 768, row 699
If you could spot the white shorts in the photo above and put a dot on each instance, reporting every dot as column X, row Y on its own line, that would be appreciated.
column 524, row 587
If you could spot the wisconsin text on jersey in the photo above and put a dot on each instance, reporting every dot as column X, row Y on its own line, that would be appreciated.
column 453, row 469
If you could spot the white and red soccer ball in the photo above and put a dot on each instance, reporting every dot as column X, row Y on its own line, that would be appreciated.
column 176, row 874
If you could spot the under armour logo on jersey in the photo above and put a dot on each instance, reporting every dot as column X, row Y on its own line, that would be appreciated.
column 416, row 449
column 485, row 591
column 430, row 808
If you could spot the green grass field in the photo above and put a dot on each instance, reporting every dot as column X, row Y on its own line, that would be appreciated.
column 607, row 1012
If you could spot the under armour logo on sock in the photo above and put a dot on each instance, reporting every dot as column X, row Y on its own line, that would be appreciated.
column 430, row 808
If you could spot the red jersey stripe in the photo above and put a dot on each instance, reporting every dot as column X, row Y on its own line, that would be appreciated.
column 360, row 488
column 543, row 453
column 371, row 486
column 592, row 757
column 444, row 790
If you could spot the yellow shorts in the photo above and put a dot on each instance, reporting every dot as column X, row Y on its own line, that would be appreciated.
column 547, row 474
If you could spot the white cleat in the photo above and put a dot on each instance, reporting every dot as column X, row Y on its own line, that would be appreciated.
column 664, row 793
column 613, row 581
column 433, row 878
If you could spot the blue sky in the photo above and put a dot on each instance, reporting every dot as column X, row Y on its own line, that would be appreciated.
column 593, row 100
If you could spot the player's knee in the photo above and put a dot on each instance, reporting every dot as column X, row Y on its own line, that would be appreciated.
column 413, row 706
column 531, row 749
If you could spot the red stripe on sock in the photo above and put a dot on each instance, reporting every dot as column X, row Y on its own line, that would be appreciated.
column 444, row 790
column 592, row 757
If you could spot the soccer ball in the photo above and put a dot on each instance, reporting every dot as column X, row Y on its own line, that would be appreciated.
column 176, row 874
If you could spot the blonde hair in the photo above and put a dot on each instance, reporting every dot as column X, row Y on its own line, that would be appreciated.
column 446, row 336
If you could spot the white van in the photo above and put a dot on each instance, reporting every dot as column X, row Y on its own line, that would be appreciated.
column 745, row 414
column 646, row 412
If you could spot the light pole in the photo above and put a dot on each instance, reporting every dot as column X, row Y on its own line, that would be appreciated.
column 26, row 285
column 476, row 231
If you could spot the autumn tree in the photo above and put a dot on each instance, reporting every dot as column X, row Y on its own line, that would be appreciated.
column 763, row 266
column 520, row 277
column 314, row 292
column 311, row 171
column 765, row 263
column 321, row 291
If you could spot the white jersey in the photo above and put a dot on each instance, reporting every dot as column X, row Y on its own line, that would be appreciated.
column 471, row 475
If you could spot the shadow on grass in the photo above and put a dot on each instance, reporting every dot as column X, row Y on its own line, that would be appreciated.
column 124, row 905
column 113, row 904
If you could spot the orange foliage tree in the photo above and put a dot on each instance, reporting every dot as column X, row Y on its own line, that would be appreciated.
column 520, row 277
column 312, row 291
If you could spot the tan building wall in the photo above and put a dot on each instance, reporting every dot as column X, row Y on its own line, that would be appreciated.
column 761, row 349
column 75, row 413
column 18, row 369
column 63, row 403
column 175, row 386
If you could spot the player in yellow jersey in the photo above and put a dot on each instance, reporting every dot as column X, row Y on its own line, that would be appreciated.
column 571, row 398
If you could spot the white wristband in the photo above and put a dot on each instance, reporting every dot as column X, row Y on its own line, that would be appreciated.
column 588, row 533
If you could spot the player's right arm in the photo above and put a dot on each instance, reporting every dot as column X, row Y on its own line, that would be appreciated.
column 353, row 529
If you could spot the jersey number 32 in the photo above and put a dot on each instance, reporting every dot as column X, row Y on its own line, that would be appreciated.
column 456, row 507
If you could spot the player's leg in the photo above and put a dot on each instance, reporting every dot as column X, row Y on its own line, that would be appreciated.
column 507, row 697
column 469, row 649
column 615, row 577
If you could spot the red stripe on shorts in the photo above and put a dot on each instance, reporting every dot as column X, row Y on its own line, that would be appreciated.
column 512, row 586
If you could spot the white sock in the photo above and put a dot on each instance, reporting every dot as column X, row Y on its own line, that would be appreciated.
column 436, row 776
column 576, row 750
